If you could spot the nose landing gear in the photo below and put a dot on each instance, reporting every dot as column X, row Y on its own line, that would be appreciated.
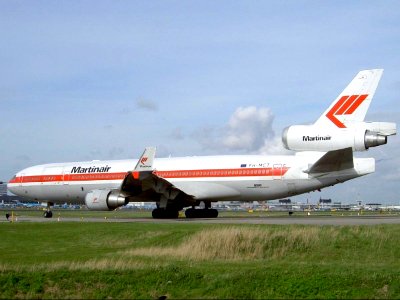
column 48, row 213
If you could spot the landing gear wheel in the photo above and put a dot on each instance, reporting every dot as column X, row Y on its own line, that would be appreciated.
column 201, row 213
column 48, row 214
column 213, row 213
column 160, row 213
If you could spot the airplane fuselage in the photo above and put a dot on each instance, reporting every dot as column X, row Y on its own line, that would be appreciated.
column 209, row 178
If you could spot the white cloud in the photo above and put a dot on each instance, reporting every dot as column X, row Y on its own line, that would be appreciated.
column 249, row 130
column 273, row 147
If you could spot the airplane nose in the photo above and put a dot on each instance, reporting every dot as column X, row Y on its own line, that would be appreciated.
column 10, row 188
column 10, row 185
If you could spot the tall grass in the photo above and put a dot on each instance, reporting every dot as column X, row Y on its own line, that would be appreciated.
column 100, row 260
column 238, row 243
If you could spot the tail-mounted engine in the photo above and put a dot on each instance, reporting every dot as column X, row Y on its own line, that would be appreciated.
column 104, row 200
column 359, row 137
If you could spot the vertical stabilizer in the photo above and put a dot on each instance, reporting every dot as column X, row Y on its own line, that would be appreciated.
column 353, row 103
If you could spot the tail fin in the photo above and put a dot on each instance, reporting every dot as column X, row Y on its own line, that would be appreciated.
column 353, row 103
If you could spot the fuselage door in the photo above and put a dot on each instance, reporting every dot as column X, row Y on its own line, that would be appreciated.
column 66, row 176
column 21, row 179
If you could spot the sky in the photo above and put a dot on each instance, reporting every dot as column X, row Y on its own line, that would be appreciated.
column 84, row 80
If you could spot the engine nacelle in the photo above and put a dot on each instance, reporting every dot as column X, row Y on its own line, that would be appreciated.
column 104, row 200
column 313, row 138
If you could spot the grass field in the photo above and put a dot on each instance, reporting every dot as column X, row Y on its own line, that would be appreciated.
column 149, row 260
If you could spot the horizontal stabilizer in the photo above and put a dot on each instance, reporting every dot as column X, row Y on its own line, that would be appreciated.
column 333, row 161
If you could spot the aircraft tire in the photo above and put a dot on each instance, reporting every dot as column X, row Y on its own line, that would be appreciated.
column 160, row 213
column 157, row 213
column 213, row 213
column 201, row 213
column 190, row 213
column 172, row 213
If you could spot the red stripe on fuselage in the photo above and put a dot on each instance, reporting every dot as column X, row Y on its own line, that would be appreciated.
column 204, row 173
column 240, row 172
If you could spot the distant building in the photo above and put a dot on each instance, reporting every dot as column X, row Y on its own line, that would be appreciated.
column 325, row 201
column 372, row 206
column 285, row 201
column 3, row 189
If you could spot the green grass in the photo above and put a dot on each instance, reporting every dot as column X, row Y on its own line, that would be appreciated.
column 148, row 260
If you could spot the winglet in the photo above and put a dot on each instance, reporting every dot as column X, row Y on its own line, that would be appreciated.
column 145, row 162
column 142, row 170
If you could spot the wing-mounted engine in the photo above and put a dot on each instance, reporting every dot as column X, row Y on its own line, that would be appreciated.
column 360, row 136
column 104, row 200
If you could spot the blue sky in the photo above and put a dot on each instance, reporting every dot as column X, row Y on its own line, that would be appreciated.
column 83, row 80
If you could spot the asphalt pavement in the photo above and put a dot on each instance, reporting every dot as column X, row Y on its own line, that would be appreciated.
column 303, row 220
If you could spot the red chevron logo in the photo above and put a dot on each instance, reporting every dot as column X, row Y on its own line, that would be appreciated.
column 143, row 160
column 345, row 106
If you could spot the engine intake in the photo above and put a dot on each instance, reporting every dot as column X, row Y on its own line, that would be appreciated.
column 104, row 200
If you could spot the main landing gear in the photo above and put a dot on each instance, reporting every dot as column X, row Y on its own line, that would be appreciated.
column 172, row 212
column 161, row 213
column 206, row 212
column 201, row 213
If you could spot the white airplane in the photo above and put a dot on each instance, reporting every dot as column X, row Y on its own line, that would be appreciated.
column 324, row 158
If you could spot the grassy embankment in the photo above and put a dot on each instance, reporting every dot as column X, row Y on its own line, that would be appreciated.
column 134, row 260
